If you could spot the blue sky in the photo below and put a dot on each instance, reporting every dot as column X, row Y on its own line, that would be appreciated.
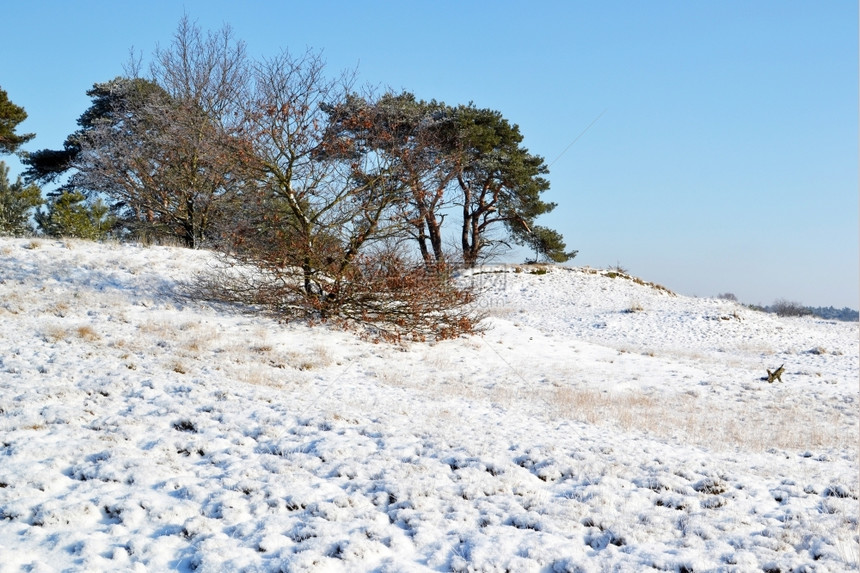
column 726, row 158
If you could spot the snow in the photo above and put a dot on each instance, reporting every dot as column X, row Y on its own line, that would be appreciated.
column 598, row 424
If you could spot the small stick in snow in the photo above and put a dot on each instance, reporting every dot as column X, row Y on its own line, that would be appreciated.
column 775, row 375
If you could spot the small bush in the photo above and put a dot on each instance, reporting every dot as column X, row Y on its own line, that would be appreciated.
column 16, row 202
column 72, row 215
column 784, row 307
column 386, row 296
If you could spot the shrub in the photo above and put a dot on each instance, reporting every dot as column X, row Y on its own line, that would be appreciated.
column 387, row 295
column 71, row 215
column 16, row 202
column 784, row 307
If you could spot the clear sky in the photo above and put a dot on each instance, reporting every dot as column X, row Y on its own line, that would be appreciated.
column 725, row 158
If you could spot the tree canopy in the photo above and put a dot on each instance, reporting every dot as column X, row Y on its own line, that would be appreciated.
column 163, row 150
column 500, row 181
column 459, row 156
column 10, row 116
column 113, row 104
column 349, row 205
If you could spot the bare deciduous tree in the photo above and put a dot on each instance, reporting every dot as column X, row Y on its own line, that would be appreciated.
column 169, row 152
column 318, row 234
column 318, row 201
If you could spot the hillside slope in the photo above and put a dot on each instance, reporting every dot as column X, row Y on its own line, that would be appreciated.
column 598, row 424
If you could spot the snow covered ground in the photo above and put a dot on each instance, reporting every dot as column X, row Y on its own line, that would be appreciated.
column 597, row 425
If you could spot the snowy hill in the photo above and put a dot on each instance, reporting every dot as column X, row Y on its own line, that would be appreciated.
column 599, row 424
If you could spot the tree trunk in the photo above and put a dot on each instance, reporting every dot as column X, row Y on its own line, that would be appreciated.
column 434, row 228
column 465, row 243
column 422, row 246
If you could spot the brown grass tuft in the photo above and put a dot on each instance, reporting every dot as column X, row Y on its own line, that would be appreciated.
column 87, row 332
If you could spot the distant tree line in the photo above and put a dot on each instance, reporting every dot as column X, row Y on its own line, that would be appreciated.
column 831, row 313
column 345, row 204
column 783, row 307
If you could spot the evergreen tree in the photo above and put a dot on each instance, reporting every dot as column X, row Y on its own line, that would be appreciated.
column 71, row 215
column 461, row 156
column 113, row 106
column 415, row 138
column 10, row 116
column 500, row 182
column 16, row 202
column 547, row 244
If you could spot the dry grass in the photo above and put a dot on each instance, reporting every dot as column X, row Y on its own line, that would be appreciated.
column 14, row 303
column 436, row 360
column 619, row 272
column 35, row 427
column 595, row 406
column 178, row 366
column 198, row 343
column 499, row 310
column 260, row 351
column 395, row 378
column 162, row 328
column 191, row 337
column 59, row 308
column 635, row 306
column 86, row 332
column 259, row 375
column 54, row 333
column 694, row 420
column 317, row 357
column 691, row 417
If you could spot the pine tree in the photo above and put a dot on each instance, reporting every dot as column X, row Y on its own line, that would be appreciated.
column 500, row 182
column 16, row 202
column 548, row 245
column 71, row 215
column 10, row 116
